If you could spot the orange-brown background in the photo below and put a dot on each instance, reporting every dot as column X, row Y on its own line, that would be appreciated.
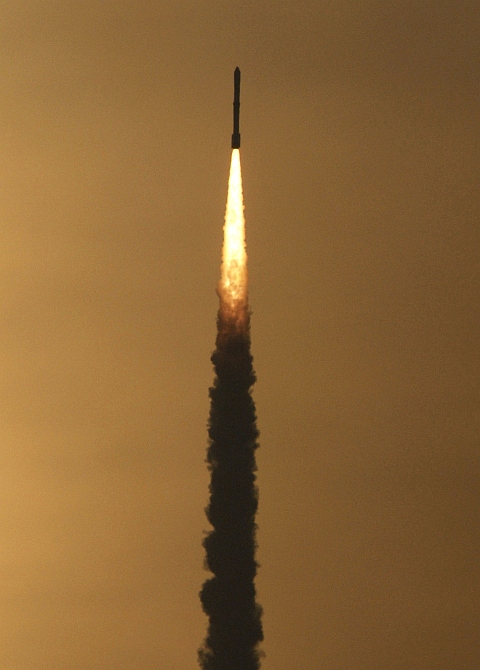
column 360, row 154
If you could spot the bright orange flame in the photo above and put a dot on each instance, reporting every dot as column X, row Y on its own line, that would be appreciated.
column 233, row 283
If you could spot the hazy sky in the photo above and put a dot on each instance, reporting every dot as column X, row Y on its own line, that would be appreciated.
column 360, row 155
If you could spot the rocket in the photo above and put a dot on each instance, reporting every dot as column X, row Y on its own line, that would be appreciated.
column 236, row 109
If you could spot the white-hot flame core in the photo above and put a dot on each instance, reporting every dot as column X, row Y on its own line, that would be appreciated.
column 233, row 283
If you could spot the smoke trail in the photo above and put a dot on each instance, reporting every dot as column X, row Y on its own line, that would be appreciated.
column 228, row 598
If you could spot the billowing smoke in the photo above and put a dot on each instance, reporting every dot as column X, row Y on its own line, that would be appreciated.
column 228, row 597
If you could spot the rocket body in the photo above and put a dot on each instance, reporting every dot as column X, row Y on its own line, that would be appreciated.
column 236, row 109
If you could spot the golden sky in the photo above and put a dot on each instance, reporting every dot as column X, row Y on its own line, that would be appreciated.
column 360, row 160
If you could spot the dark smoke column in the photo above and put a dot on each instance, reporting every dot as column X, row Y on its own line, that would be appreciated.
column 228, row 597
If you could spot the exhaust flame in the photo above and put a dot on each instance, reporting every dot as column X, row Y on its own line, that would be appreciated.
column 233, row 284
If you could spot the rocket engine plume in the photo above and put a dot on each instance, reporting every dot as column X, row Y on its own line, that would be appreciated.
column 229, row 597
column 232, row 288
